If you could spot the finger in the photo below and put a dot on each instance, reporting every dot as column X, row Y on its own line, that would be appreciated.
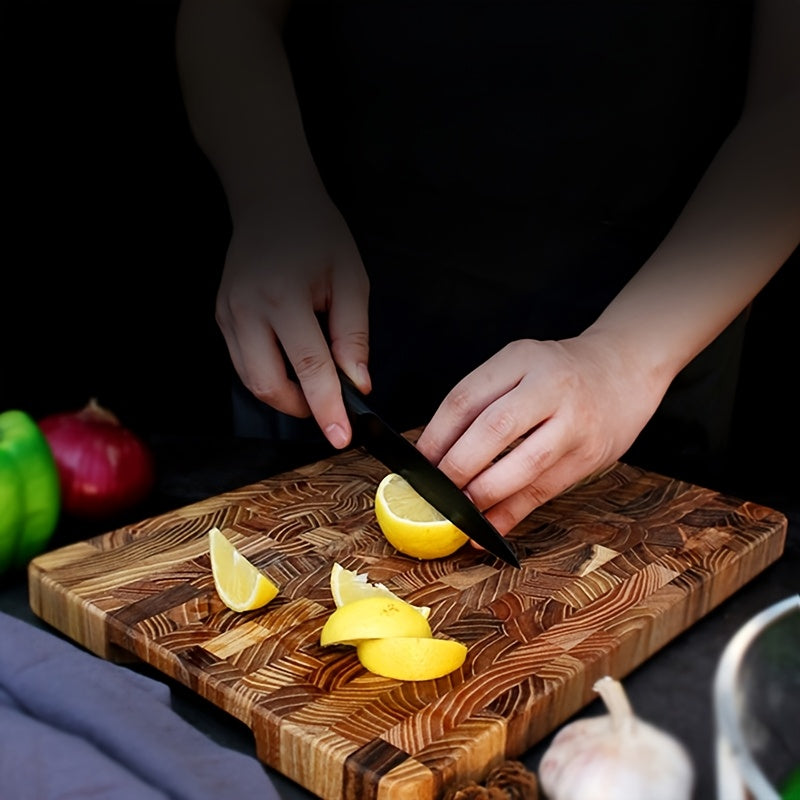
column 257, row 358
column 499, row 425
column 507, row 514
column 463, row 405
column 263, row 372
column 539, row 452
column 307, row 350
column 348, row 327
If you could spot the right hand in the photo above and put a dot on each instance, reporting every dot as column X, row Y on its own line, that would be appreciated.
column 281, row 269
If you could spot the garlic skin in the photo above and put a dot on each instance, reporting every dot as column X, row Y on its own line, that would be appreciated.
column 615, row 756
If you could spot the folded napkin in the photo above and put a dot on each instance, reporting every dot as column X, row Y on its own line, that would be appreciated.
column 73, row 725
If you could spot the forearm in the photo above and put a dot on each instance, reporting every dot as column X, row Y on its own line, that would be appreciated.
column 240, row 100
column 738, row 228
column 740, row 225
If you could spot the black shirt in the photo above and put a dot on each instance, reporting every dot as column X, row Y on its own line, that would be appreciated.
column 506, row 165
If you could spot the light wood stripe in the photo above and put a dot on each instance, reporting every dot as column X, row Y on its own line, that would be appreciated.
column 611, row 571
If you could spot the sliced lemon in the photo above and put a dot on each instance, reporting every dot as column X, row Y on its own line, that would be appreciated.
column 411, row 658
column 370, row 618
column 411, row 524
column 348, row 586
column 239, row 583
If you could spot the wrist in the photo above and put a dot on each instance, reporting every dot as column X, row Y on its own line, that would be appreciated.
column 651, row 359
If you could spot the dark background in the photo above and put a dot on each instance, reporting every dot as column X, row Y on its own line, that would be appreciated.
column 115, row 236
column 117, row 224
column 116, row 229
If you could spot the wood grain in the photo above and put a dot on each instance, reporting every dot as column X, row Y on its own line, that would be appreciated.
column 611, row 571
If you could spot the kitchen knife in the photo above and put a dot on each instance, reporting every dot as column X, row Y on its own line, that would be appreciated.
column 400, row 456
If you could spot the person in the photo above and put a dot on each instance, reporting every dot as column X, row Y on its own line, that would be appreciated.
column 528, row 224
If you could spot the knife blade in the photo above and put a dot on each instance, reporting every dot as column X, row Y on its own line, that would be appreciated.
column 400, row 456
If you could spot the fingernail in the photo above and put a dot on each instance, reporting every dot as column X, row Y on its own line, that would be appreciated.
column 336, row 435
column 363, row 376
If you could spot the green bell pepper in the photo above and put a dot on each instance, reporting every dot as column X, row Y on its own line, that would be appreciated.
column 30, row 493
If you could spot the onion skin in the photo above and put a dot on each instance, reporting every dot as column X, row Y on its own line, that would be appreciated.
column 104, row 468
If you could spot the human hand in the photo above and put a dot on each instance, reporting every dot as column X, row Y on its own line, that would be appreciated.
column 281, row 270
column 576, row 405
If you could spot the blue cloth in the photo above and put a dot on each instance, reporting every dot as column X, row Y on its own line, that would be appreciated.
column 75, row 725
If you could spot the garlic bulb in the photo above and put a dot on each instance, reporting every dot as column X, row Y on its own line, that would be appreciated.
column 615, row 756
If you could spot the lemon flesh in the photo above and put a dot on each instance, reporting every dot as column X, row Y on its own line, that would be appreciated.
column 371, row 618
column 411, row 658
column 348, row 586
column 411, row 524
column 239, row 583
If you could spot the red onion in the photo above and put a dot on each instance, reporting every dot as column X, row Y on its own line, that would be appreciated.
column 104, row 467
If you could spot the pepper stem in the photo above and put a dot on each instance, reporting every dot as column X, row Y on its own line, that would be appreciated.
column 617, row 703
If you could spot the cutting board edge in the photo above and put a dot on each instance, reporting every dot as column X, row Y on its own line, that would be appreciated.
column 631, row 654
column 91, row 631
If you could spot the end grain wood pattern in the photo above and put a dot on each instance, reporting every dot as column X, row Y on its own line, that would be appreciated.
column 611, row 571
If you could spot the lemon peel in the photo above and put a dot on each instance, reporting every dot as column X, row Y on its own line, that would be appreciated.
column 411, row 658
column 392, row 638
column 239, row 583
column 348, row 585
column 411, row 524
column 373, row 618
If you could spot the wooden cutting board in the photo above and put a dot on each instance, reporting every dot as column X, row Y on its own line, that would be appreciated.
column 611, row 571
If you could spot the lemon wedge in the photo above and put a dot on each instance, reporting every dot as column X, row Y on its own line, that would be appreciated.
column 411, row 524
column 371, row 618
column 391, row 636
column 348, row 586
column 411, row 658
column 239, row 583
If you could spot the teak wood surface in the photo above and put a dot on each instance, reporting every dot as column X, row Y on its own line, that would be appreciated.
column 611, row 571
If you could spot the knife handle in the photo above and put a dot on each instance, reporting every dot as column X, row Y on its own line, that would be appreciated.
column 353, row 399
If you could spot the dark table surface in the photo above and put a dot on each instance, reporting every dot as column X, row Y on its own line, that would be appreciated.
column 672, row 689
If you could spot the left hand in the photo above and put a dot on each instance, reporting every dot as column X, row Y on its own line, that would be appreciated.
column 577, row 405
